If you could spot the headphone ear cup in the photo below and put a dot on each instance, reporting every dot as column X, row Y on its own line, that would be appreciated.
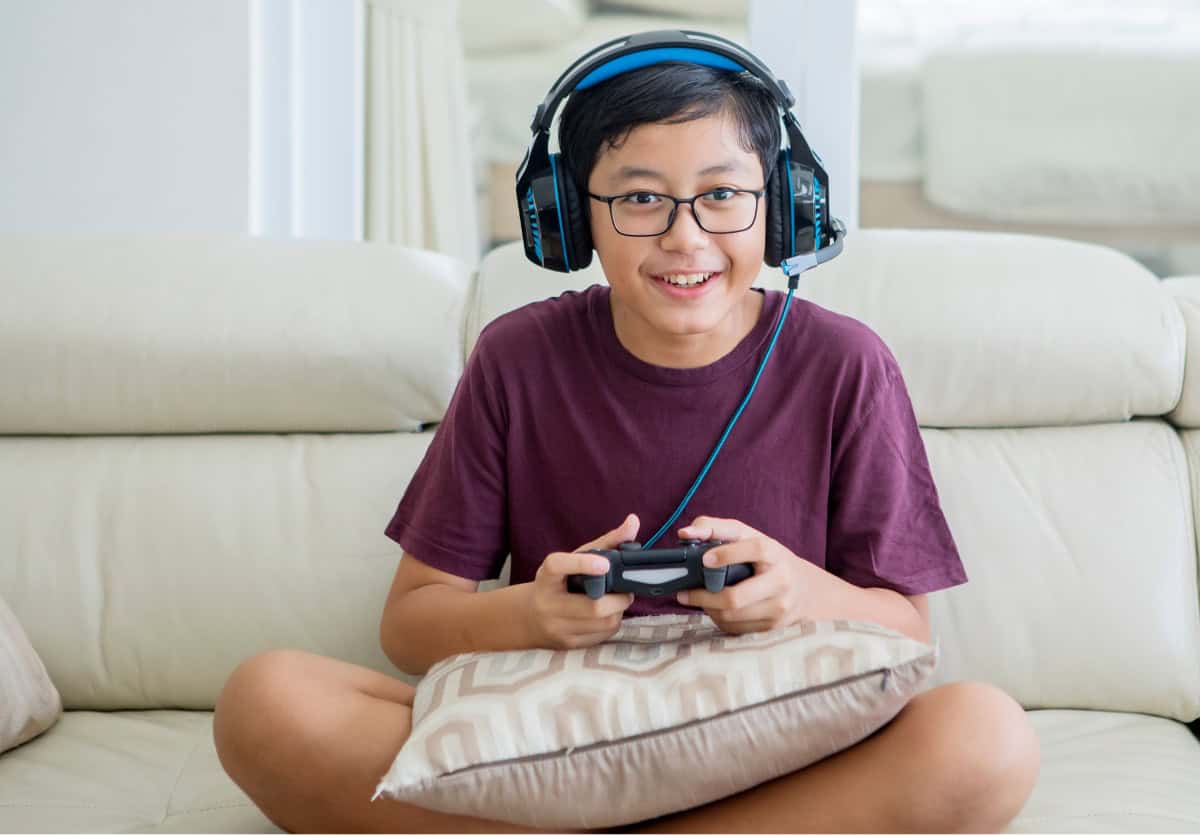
column 578, row 234
column 778, row 216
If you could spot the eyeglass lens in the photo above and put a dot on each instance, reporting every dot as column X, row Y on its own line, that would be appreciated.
column 644, row 213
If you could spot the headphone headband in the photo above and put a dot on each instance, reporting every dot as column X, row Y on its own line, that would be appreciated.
column 645, row 48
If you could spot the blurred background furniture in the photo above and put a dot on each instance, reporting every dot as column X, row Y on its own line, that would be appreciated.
column 418, row 171
column 1071, row 119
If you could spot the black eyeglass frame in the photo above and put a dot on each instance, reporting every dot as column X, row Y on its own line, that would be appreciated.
column 690, row 201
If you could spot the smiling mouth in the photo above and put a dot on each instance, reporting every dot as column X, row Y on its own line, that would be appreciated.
column 685, row 280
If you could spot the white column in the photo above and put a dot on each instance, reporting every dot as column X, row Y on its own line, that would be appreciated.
column 810, row 44
column 306, row 119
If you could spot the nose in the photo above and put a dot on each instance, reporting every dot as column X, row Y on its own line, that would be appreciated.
column 685, row 235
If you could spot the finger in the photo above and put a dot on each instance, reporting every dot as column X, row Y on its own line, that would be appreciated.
column 562, row 564
column 743, row 627
column 585, row 613
column 590, row 639
column 764, row 611
column 712, row 527
column 625, row 532
column 610, row 605
column 575, row 621
column 734, row 552
column 701, row 599
column 747, row 551
column 746, row 593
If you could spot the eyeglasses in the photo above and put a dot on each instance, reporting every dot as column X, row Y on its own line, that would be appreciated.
column 645, row 214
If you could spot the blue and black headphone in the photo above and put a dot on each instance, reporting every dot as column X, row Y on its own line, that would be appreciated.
column 801, row 232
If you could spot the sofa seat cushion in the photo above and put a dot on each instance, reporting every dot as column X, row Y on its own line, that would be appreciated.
column 1113, row 772
column 157, row 771
column 126, row 771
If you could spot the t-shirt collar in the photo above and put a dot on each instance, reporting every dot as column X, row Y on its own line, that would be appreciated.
column 748, row 348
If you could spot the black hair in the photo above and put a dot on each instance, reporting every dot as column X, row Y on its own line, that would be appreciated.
column 666, row 93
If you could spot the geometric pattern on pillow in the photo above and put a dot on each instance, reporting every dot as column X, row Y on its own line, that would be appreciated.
column 668, row 714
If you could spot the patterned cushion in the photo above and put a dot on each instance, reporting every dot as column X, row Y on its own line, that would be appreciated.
column 648, row 722
column 29, row 702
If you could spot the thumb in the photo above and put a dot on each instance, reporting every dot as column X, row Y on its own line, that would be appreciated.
column 625, row 532
column 711, row 527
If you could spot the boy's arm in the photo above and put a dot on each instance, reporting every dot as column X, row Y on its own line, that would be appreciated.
column 908, row 614
column 431, row 614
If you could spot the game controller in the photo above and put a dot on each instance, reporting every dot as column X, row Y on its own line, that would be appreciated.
column 658, row 571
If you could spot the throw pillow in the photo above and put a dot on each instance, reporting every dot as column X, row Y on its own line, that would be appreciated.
column 29, row 702
column 670, row 713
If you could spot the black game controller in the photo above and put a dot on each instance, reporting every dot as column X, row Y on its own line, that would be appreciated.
column 658, row 571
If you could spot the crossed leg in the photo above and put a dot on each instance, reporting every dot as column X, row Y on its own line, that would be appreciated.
column 308, row 739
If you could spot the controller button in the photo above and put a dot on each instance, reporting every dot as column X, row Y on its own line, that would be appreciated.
column 630, row 546
column 689, row 542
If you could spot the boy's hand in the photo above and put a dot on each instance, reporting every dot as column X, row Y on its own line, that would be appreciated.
column 562, row 620
column 779, row 592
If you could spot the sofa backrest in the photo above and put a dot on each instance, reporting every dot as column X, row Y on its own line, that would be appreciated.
column 1041, row 371
column 190, row 336
column 198, row 462
column 203, row 442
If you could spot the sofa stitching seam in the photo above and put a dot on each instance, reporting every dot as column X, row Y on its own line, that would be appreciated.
column 230, row 805
column 178, row 777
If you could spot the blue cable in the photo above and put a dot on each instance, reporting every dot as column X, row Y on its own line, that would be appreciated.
column 778, row 327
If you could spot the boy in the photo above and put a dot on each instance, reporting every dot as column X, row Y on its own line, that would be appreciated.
column 581, row 408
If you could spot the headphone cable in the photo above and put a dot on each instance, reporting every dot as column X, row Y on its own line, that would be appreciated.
column 792, row 282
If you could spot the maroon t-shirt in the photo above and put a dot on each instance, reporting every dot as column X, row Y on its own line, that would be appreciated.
column 556, row 432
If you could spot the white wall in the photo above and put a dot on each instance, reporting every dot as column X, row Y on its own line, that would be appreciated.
column 181, row 117
column 124, row 116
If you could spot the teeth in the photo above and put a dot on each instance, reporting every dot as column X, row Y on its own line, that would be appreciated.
column 687, row 280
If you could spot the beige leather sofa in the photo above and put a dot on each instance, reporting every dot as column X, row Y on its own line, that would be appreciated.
column 201, row 444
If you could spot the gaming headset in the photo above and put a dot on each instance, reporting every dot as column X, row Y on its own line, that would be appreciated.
column 800, row 233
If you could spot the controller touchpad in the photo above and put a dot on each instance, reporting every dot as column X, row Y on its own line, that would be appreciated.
column 653, row 576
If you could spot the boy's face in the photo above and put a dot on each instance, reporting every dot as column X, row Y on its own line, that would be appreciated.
column 663, row 323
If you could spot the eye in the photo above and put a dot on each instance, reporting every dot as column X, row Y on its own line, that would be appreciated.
column 720, row 195
column 640, row 198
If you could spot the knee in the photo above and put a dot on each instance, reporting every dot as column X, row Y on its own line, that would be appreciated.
column 983, row 758
column 254, row 705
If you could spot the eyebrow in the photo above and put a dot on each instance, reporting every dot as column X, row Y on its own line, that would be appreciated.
column 629, row 172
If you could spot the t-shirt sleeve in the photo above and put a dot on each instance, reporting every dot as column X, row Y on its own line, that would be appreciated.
column 452, row 514
column 886, row 528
